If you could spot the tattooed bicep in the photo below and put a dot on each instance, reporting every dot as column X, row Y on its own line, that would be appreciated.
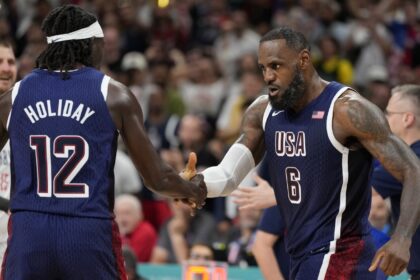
column 252, row 133
column 366, row 122
column 361, row 118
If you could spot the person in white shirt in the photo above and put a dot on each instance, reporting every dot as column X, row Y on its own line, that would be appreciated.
column 8, row 73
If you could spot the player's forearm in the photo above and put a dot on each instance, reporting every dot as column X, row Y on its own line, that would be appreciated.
column 410, row 208
column 170, row 184
column 267, row 262
column 223, row 179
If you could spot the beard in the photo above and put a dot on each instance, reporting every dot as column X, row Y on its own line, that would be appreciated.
column 292, row 95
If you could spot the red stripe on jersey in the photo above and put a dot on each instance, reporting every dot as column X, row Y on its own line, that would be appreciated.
column 345, row 259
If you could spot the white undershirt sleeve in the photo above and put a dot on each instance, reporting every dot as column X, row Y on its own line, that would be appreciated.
column 223, row 179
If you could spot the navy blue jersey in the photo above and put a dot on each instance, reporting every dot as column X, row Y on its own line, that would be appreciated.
column 320, row 185
column 387, row 186
column 63, row 143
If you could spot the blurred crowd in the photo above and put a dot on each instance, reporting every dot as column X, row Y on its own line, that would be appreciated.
column 192, row 66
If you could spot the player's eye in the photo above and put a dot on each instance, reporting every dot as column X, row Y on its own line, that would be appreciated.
column 275, row 66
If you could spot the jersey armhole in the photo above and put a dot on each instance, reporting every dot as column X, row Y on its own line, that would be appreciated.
column 104, row 86
column 340, row 147
column 15, row 92
column 266, row 114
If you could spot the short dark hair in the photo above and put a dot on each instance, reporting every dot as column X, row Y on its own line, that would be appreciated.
column 294, row 39
column 65, row 55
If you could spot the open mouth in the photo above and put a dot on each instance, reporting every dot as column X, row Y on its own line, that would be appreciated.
column 273, row 90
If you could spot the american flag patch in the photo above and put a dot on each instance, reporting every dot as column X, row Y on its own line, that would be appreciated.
column 318, row 115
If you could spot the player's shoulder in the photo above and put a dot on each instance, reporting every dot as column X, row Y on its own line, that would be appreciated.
column 119, row 95
column 259, row 105
column 351, row 101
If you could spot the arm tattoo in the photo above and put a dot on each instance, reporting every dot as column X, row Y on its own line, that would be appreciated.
column 371, row 128
column 252, row 134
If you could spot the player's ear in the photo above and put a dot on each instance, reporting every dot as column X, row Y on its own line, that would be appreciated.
column 305, row 59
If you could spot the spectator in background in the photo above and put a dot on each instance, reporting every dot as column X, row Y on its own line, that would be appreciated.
column 201, row 252
column 134, row 37
column 161, row 67
column 369, row 42
column 134, row 65
column 126, row 178
column 27, row 59
column 379, row 219
column 8, row 73
column 241, row 96
column 403, row 115
column 331, row 66
column 207, row 94
column 236, row 40
column 138, row 234
column 240, row 249
column 161, row 128
column 378, row 89
column 180, row 232
column 112, row 49
column 130, row 262
column 193, row 135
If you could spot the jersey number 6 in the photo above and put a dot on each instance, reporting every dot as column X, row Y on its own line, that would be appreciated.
column 293, row 186
column 61, row 185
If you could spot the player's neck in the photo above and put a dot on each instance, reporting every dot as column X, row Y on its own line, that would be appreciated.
column 313, row 88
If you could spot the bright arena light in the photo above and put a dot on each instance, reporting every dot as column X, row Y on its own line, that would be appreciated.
column 163, row 3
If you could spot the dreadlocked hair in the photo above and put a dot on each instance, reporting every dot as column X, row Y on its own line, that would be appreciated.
column 65, row 55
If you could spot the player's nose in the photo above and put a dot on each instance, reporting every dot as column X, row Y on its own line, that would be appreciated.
column 269, row 76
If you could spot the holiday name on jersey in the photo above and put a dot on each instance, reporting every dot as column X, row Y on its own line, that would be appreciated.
column 290, row 143
column 64, row 108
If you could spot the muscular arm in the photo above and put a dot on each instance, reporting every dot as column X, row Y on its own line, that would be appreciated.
column 252, row 133
column 221, row 180
column 356, row 117
column 158, row 176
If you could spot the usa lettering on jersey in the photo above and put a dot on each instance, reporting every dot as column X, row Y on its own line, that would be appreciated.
column 290, row 144
column 63, row 108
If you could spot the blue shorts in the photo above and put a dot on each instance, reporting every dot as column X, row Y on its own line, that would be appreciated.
column 45, row 246
column 351, row 260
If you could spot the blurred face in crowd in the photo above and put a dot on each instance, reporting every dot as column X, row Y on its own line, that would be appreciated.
column 191, row 131
column 206, row 68
column 156, row 101
column 8, row 70
column 379, row 212
column 127, row 214
column 252, row 85
column 112, row 45
column 281, row 72
column 201, row 253
column 379, row 93
column 328, row 47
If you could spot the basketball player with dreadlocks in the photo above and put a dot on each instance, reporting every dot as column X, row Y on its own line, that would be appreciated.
column 63, row 120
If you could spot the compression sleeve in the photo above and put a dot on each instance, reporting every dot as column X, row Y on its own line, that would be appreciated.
column 221, row 180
